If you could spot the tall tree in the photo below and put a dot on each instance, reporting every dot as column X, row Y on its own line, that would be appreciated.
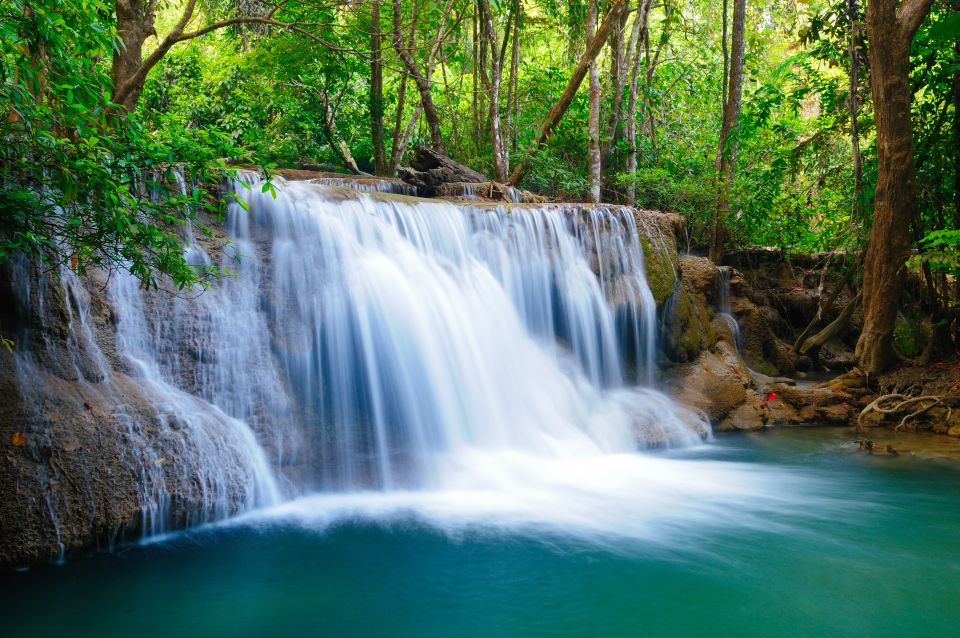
column 573, row 84
column 726, row 152
column 890, row 32
column 593, row 122
column 853, row 105
column 493, row 87
column 639, row 35
column 419, row 78
column 376, row 91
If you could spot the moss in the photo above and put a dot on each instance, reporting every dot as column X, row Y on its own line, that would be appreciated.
column 765, row 368
column 661, row 275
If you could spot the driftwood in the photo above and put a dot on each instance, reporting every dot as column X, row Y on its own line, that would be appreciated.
column 897, row 403
column 823, row 306
column 430, row 169
column 832, row 329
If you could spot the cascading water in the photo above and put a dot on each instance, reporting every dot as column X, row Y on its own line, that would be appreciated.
column 723, row 303
column 413, row 335
column 186, row 460
column 371, row 342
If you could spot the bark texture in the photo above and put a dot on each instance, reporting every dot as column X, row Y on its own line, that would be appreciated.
column 376, row 91
column 726, row 152
column 421, row 80
column 892, row 32
column 593, row 121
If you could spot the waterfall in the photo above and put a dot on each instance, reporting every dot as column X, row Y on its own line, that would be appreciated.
column 362, row 341
column 410, row 334
column 104, row 407
column 723, row 303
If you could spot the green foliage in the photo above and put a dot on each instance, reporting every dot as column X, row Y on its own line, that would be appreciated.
column 89, row 186
column 85, row 185
column 940, row 249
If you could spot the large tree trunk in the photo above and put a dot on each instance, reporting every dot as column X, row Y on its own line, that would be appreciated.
column 593, row 122
column 493, row 86
column 891, row 32
column 376, row 91
column 135, row 23
column 576, row 79
column 421, row 80
column 726, row 152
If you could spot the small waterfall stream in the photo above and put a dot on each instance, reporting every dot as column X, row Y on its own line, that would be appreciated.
column 723, row 303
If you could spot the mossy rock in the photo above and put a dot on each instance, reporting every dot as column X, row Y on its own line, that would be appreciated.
column 661, row 273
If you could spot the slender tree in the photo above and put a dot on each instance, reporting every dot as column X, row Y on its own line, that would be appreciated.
column 576, row 79
column 419, row 78
column 639, row 35
column 493, row 87
column 376, row 91
column 726, row 151
column 593, row 122
column 853, row 104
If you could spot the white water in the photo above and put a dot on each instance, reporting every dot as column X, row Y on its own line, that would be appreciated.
column 723, row 303
column 461, row 360
column 413, row 336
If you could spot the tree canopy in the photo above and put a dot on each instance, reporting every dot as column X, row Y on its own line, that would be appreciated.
column 754, row 120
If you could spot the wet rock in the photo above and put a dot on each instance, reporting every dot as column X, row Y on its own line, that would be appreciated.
column 751, row 415
column 687, row 316
column 716, row 383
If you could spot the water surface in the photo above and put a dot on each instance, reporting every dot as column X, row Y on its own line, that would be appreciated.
column 817, row 539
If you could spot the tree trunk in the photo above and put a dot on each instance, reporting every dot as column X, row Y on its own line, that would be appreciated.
column 956, row 135
column 135, row 23
column 812, row 345
column 593, row 124
column 576, row 79
column 422, row 82
column 639, row 35
column 892, row 32
column 856, row 214
column 376, row 91
column 621, row 52
column 336, row 142
column 512, row 87
column 493, row 86
column 726, row 153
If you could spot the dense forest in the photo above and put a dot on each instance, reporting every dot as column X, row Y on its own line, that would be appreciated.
column 479, row 317
column 805, row 126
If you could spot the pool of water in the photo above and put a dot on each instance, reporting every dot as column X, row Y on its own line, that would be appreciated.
column 818, row 539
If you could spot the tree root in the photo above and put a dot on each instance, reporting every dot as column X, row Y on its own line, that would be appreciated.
column 898, row 402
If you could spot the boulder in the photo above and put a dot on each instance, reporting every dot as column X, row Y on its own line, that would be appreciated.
column 716, row 383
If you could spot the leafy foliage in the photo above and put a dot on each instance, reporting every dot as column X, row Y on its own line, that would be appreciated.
column 85, row 185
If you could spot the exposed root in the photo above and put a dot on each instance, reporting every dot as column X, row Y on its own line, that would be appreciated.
column 896, row 403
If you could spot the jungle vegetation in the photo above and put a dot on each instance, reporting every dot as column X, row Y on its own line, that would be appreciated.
column 817, row 125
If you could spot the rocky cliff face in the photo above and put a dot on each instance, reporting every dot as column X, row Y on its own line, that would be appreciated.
column 94, row 448
column 728, row 334
column 125, row 413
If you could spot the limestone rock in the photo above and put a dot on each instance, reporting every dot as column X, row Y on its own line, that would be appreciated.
column 716, row 383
